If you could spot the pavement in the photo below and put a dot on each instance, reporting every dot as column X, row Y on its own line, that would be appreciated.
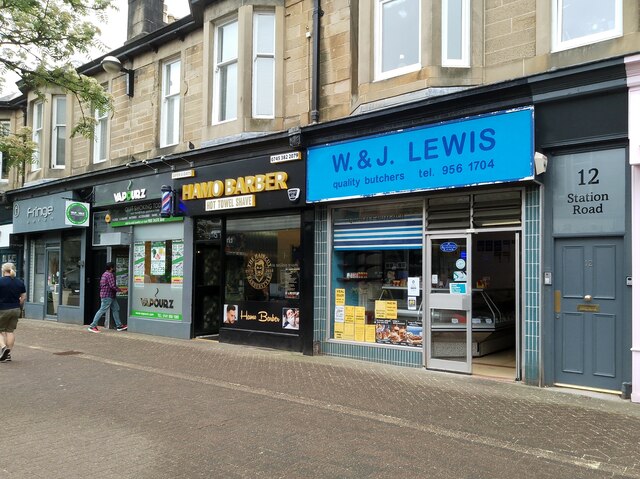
column 123, row 405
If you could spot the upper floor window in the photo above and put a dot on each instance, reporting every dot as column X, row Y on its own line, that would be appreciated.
column 37, row 134
column 397, row 37
column 456, row 29
column 226, row 72
column 581, row 22
column 100, row 136
column 4, row 169
column 59, row 131
column 264, row 64
column 170, row 114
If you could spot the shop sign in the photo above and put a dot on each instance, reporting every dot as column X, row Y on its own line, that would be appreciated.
column 251, row 183
column 157, row 301
column 448, row 247
column 284, row 157
column 142, row 214
column 589, row 192
column 272, row 316
column 48, row 213
column 484, row 149
column 76, row 214
column 135, row 190
column 457, row 288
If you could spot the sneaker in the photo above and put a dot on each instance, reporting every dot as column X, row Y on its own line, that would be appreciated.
column 93, row 329
column 4, row 352
column 122, row 328
column 8, row 358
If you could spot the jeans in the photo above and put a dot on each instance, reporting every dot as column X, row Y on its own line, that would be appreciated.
column 105, row 303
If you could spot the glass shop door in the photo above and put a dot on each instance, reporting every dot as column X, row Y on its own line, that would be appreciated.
column 448, row 305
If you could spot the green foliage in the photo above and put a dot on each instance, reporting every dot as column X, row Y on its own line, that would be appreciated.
column 38, row 38
column 17, row 150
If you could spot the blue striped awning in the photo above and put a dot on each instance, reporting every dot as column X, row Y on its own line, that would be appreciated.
column 401, row 233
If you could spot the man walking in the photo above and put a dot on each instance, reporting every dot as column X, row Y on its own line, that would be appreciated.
column 12, row 297
column 108, row 290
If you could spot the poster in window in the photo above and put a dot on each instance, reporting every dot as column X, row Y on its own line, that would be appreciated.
column 177, row 263
column 290, row 318
column 122, row 275
column 138, row 263
column 158, row 258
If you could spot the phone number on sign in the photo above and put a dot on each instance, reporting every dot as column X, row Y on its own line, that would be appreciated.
column 471, row 166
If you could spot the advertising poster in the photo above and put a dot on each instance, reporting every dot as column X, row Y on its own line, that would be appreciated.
column 340, row 295
column 158, row 258
column 177, row 263
column 290, row 318
column 414, row 334
column 122, row 275
column 383, row 330
column 138, row 263
column 339, row 314
column 370, row 333
column 273, row 316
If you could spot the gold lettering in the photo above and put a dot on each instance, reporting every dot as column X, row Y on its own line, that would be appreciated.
column 264, row 317
column 241, row 186
column 260, row 180
column 246, row 316
column 187, row 192
column 230, row 186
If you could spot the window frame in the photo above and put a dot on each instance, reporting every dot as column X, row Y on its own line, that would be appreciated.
column 377, row 51
column 262, row 55
column 464, row 61
column 102, row 126
column 36, row 135
column 218, row 65
column 57, row 163
column 5, row 130
column 170, row 96
column 556, row 26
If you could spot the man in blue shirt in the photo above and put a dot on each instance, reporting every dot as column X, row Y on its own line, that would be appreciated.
column 12, row 296
column 108, row 290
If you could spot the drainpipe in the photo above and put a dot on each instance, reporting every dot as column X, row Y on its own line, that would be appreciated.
column 315, row 62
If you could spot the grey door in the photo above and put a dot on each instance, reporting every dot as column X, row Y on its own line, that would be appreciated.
column 588, row 312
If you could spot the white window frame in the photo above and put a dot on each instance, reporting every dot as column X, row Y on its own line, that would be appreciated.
column 37, row 124
column 559, row 45
column 100, row 136
column 262, row 52
column 465, row 40
column 170, row 127
column 378, row 73
column 218, row 65
column 5, row 129
column 58, row 163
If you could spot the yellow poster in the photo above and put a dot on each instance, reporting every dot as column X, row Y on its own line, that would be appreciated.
column 338, row 330
column 340, row 295
column 392, row 310
column 359, row 331
column 349, row 315
column 349, row 331
column 381, row 309
column 360, row 313
column 370, row 333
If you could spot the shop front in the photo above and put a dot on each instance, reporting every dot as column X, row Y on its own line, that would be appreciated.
column 148, row 250
column 425, row 252
column 54, row 230
column 251, row 235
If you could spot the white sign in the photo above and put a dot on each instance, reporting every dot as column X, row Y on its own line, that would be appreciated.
column 284, row 157
column 183, row 174
column 245, row 201
column 413, row 286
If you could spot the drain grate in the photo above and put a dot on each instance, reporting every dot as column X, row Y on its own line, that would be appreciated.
column 67, row 353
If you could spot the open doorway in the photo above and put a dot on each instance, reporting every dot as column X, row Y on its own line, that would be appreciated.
column 495, row 280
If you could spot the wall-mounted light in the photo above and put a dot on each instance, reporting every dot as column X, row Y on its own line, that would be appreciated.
column 112, row 65
column 540, row 162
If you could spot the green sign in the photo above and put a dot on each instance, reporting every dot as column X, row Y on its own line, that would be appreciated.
column 76, row 214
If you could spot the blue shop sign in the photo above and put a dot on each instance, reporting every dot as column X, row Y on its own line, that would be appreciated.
column 448, row 247
column 486, row 149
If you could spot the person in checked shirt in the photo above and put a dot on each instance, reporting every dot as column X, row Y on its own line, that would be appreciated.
column 108, row 290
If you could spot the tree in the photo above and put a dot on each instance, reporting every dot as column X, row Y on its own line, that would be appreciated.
column 38, row 38
column 17, row 151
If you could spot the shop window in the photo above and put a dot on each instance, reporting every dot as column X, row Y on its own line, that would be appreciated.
column 456, row 29
column 71, row 282
column 157, row 279
column 59, row 132
column 582, row 22
column 36, row 271
column 226, row 72
column 262, row 273
column 376, row 274
column 170, row 116
column 397, row 37
column 37, row 134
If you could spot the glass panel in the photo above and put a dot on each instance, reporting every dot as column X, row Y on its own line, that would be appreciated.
column 400, row 34
column 448, row 265
column 61, row 111
column 454, row 29
column 582, row 18
column 37, row 272
column 264, row 33
column 172, row 78
column 449, row 334
column 53, row 282
column 61, row 133
column 228, row 92
column 70, row 282
column 264, row 86
column 228, row 42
